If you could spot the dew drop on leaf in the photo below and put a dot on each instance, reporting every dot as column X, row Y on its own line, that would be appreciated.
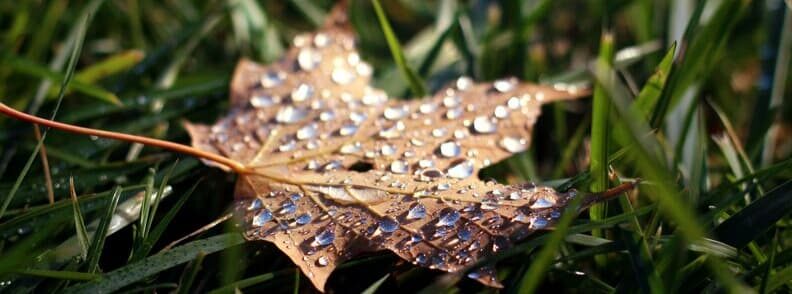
column 303, row 219
column 324, row 238
column 388, row 225
column 484, row 125
column 513, row 145
column 450, row 149
column 262, row 217
column 461, row 169
column 448, row 217
column 418, row 211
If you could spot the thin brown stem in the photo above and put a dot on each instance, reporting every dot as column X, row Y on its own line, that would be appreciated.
column 45, row 166
column 176, row 147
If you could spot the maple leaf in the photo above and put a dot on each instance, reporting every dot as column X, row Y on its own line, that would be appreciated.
column 330, row 167
column 334, row 167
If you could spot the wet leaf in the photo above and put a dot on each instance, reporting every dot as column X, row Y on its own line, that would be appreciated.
column 330, row 167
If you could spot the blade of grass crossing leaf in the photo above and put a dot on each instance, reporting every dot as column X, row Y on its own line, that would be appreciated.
column 374, row 287
column 97, row 244
column 151, row 265
column 79, row 222
column 190, row 272
column 539, row 267
column 600, row 136
column 416, row 84
column 76, row 49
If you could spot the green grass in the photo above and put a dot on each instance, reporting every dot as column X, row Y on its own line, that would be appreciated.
column 701, row 119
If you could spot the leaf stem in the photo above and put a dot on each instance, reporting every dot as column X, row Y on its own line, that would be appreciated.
column 176, row 147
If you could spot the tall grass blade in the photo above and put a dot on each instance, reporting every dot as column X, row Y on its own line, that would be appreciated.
column 416, row 84
column 97, row 244
column 151, row 265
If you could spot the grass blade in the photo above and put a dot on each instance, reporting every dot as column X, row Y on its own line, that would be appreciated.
column 530, row 281
column 188, row 276
column 75, row 54
column 148, row 266
column 79, row 222
column 97, row 244
column 416, row 84
column 753, row 220
column 600, row 136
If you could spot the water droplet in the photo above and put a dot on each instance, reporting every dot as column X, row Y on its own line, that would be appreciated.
column 347, row 130
column 399, row 167
column 350, row 148
column 425, row 163
column 260, row 101
column 484, row 125
column 464, row 234
column 454, row 113
column 288, row 207
column 308, row 58
column 418, row 211
column 543, row 201
column 515, row 196
column 448, row 217
column 322, row 261
column 427, row 108
column 451, row 101
column 254, row 205
column 388, row 150
column 327, row 115
column 303, row 219
column 461, row 169
column 395, row 113
column 503, row 85
column 501, row 112
column 421, row 259
column 440, row 132
column 388, row 225
column 332, row 165
column 358, row 117
column 262, row 217
column 324, row 238
column 312, row 165
column 290, row 114
column 513, row 145
column 342, row 76
column 307, row 132
column 302, row 92
column 374, row 97
column 464, row 83
column 443, row 187
column 288, row 146
column 430, row 174
column 450, row 149
column 321, row 40
column 392, row 132
column 538, row 223
column 272, row 79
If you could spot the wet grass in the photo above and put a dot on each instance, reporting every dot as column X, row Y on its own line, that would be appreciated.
column 702, row 117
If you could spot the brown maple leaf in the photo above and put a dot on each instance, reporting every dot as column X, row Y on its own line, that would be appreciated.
column 330, row 167
column 337, row 168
